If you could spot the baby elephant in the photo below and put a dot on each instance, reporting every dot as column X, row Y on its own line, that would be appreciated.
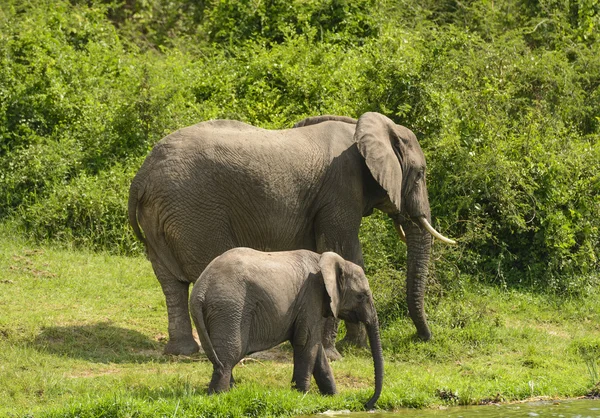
column 247, row 301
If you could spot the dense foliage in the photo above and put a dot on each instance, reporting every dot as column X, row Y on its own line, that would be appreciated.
column 504, row 96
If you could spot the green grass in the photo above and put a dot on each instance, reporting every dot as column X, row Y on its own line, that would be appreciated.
column 81, row 335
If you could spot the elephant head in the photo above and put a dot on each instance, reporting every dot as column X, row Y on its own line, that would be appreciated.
column 351, row 300
column 396, row 161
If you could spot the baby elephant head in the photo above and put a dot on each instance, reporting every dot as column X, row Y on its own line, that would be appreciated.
column 351, row 300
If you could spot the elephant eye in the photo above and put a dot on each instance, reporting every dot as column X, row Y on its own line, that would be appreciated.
column 419, row 176
column 361, row 297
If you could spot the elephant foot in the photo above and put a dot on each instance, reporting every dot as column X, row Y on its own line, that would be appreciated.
column 424, row 335
column 356, row 335
column 352, row 342
column 332, row 353
column 182, row 347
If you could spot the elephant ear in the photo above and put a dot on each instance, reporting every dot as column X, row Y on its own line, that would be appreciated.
column 331, row 269
column 374, row 136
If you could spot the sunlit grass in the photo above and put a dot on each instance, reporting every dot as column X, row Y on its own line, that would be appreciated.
column 81, row 334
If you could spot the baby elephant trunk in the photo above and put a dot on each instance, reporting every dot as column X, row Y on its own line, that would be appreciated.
column 376, row 351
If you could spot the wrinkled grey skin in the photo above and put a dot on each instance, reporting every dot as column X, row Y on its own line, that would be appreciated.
column 222, row 184
column 247, row 301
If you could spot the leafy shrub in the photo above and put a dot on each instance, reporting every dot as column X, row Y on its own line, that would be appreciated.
column 514, row 166
column 89, row 211
column 504, row 97
column 273, row 21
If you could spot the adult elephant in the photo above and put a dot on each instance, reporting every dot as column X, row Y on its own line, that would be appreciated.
column 221, row 184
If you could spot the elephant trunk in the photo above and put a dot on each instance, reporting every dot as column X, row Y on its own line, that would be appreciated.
column 377, row 353
column 418, row 242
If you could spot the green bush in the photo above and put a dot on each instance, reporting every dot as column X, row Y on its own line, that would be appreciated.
column 504, row 97
column 89, row 211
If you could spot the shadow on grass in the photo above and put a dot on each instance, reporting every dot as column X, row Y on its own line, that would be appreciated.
column 100, row 343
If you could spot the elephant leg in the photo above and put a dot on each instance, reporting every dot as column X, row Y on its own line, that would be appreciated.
column 304, row 364
column 323, row 374
column 181, row 339
column 221, row 380
column 330, row 331
column 356, row 334
column 342, row 238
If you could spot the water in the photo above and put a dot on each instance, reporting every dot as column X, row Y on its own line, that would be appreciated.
column 584, row 408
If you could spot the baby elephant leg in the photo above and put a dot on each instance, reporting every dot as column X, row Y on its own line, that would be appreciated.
column 323, row 373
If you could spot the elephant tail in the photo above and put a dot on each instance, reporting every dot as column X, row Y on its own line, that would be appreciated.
column 132, row 209
column 198, row 317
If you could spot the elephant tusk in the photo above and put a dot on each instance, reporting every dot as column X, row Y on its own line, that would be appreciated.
column 435, row 233
column 400, row 231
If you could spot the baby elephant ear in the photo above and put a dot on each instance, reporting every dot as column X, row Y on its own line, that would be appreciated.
column 374, row 137
column 331, row 270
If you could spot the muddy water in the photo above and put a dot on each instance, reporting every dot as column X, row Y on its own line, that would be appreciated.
column 584, row 408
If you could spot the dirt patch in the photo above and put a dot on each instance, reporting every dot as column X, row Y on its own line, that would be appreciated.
column 280, row 354
column 344, row 379
column 24, row 264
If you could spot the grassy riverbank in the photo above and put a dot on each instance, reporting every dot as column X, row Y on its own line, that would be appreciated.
column 503, row 95
column 81, row 334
